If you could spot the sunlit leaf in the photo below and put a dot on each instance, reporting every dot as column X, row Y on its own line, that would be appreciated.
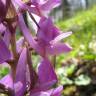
column 82, row 80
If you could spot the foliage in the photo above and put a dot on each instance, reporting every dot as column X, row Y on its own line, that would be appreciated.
column 4, row 71
column 78, row 76
column 83, row 26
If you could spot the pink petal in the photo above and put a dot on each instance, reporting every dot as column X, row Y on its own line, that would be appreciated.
column 47, row 29
column 21, row 72
column 58, row 48
column 31, row 9
column 26, row 31
column 46, row 74
column 50, row 4
column 7, row 81
column 60, row 37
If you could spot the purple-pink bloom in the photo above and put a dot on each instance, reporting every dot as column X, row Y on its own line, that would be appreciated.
column 45, row 5
column 26, row 32
column 44, row 69
column 21, row 73
column 48, row 37
column 46, row 75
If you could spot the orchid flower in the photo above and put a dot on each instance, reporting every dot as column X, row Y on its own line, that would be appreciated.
column 48, row 38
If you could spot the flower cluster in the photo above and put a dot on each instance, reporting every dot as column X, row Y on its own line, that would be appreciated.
column 23, row 79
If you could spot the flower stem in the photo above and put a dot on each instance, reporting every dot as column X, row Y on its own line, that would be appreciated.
column 33, row 75
column 13, row 45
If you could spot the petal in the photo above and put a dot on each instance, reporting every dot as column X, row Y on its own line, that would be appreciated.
column 2, row 28
column 47, row 29
column 18, row 86
column 21, row 72
column 7, row 37
column 35, row 1
column 7, row 81
column 60, row 37
column 46, row 74
column 43, row 87
column 4, row 52
column 27, row 34
column 58, row 48
column 31, row 9
column 50, row 4
column 26, row 31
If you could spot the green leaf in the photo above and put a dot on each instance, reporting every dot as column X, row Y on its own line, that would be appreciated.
column 82, row 80
column 70, row 69
column 66, row 81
